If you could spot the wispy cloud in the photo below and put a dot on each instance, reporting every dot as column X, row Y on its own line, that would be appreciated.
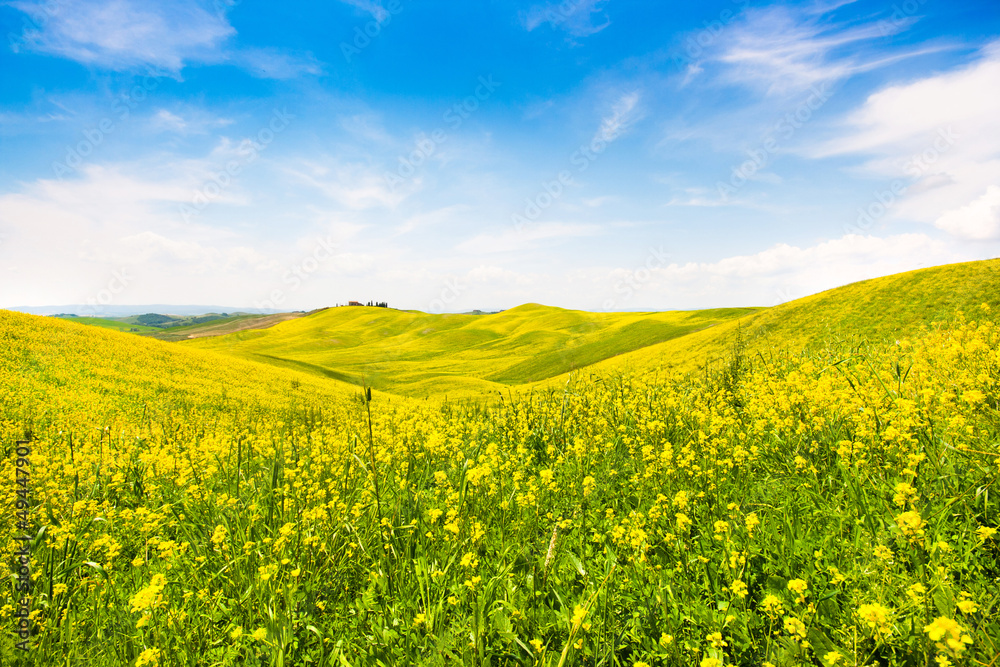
column 623, row 114
column 127, row 34
column 579, row 18
column 275, row 64
column 785, row 49
column 939, row 137
column 373, row 7
column 130, row 35
column 355, row 186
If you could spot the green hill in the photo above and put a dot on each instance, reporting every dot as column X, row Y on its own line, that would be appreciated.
column 54, row 369
column 107, row 323
column 418, row 354
column 876, row 310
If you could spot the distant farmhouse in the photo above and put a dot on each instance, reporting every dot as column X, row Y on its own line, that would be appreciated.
column 370, row 304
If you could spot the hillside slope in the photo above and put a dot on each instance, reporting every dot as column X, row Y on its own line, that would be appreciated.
column 868, row 311
column 419, row 354
column 58, row 370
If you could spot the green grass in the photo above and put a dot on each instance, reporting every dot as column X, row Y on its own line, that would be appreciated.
column 417, row 354
column 870, row 311
column 113, row 324
column 220, row 326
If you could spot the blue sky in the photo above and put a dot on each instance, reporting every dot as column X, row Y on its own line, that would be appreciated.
column 593, row 154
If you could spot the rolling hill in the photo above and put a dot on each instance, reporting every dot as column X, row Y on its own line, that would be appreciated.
column 421, row 355
column 417, row 354
column 58, row 369
column 876, row 310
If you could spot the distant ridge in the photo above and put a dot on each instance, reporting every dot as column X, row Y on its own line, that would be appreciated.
column 124, row 311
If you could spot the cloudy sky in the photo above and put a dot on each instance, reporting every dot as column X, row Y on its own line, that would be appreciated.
column 445, row 156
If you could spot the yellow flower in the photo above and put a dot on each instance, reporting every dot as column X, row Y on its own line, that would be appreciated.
column 537, row 643
column 884, row 553
column 772, row 605
column 260, row 634
column 876, row 617
column 911, row 524
column 681, row 500
column 148, row 658
column 469, row 560
column 715, row 639
column 665, row 640
column 219, row 536
column 419, row 620
column 739, row 589
column 711, row 662
column 579, row 613
column 953, row 635
column 795, row 627
column 832, row 658
column 916, row 592
column 236, row 633
column 151, row 596
column 985, row 533
column 905, row 493
column 799, row 587
column 966, row 605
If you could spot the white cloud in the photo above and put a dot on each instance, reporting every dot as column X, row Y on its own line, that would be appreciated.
column 128, row 35
column 356, row 186
column 576, row 17
column 623, row 114
column 979, row 220
column 275, row 64
column 373, row 7
column 939, row 137
column 779, row 273
column 186, row 121
column 785, row 50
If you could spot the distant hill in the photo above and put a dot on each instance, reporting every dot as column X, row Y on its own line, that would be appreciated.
column 876, row 310
column 111, row 311
column 53, row 368
column 418, row 354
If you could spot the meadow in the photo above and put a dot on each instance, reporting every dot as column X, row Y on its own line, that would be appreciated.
column 812, row 484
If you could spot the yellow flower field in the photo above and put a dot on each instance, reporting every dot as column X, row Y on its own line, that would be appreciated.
column 187, row 508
